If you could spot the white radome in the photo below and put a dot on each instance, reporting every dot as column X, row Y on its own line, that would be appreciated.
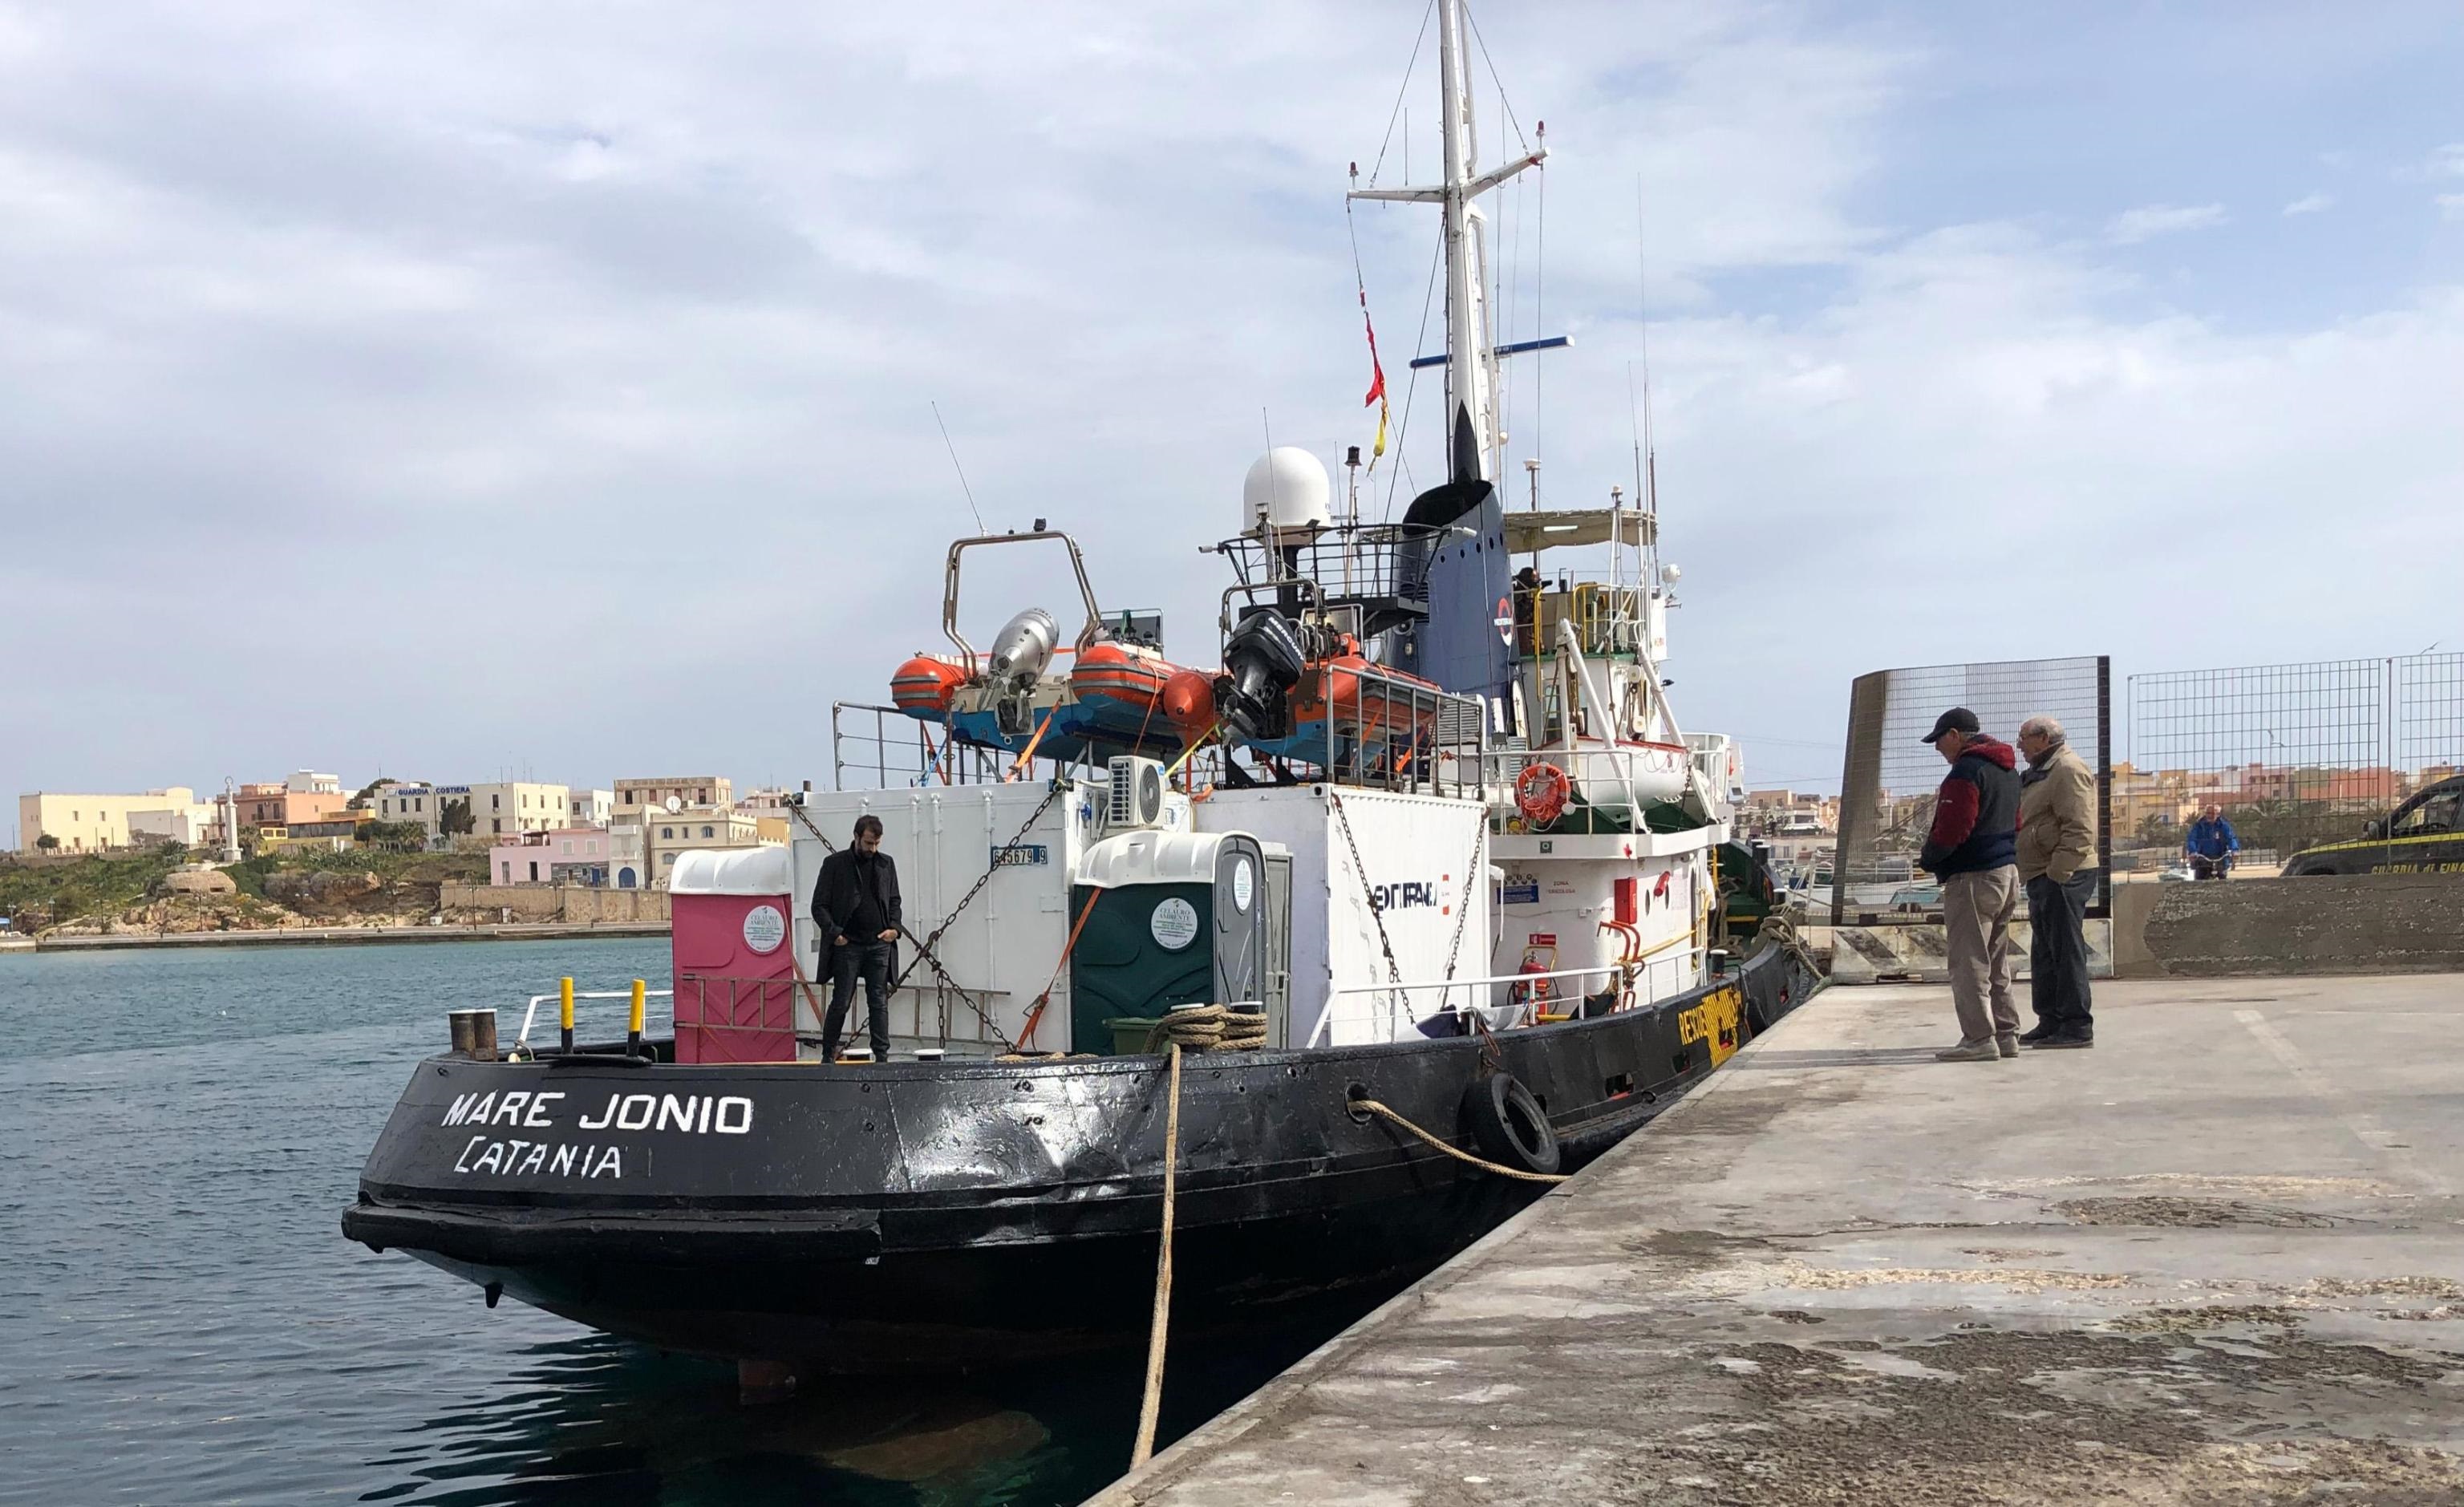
column 1287, row 488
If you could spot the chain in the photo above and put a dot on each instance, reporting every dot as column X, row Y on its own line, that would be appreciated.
column 1376, row 914
column 924, row 949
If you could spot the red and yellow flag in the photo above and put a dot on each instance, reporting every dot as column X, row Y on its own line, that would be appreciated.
column 1376, row 379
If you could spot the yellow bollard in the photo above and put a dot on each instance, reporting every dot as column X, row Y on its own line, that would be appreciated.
column 633, row 1032
column 564, row 1010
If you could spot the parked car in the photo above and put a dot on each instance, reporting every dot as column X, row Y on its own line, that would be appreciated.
column 2423, row 836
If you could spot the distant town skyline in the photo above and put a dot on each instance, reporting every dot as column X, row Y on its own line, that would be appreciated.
column 460, row 394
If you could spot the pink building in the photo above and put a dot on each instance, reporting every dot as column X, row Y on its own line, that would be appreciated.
column 562, row 856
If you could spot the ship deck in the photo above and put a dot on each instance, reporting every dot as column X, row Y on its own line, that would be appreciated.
column 2214, row 1259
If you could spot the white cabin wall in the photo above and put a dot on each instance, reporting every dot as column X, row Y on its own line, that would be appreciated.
column 1426, row 842
column 1008, row 939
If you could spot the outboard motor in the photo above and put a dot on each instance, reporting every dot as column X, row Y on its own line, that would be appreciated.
column 1262, row 660
column 1022, row 648
column 1022, row 651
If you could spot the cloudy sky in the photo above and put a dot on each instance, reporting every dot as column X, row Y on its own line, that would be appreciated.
column 452, row 390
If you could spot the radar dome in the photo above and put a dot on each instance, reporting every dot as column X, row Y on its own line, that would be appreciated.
column 1287, row 489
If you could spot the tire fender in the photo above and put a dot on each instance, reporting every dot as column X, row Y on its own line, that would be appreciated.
column 1510, row 1125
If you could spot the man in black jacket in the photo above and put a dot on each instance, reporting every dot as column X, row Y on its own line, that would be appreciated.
column 856, row 907
column 1973, row 848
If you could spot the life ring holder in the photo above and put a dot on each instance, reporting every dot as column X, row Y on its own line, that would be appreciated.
column 1541, row 793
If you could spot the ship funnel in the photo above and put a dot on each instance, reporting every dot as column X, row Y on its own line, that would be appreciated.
column 1024, row 648
column 1286, row 489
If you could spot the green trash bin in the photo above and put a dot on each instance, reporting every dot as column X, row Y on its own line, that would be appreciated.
column 1130, row 1035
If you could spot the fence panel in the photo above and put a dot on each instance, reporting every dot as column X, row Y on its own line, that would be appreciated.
column 1888, row 783
column 2292, row 756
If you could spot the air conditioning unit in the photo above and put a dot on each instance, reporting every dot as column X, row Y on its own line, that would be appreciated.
column 1137, row 793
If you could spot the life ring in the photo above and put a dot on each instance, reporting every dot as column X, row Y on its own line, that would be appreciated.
column 1510, row 1125
column 1541, row 793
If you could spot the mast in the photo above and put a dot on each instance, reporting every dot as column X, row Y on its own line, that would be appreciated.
column 1472, row 440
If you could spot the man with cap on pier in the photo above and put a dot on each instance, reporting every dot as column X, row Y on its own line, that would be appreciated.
column 1973, row 848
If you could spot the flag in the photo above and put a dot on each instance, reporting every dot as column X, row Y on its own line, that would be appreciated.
column 1376, row 379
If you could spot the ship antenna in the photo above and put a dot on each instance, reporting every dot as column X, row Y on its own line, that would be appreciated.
column 1646, row 455
column 960, row 469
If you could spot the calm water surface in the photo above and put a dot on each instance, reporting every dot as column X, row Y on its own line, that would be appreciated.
column 180, row 1320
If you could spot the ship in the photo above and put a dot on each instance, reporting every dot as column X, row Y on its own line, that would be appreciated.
column 1405, row 898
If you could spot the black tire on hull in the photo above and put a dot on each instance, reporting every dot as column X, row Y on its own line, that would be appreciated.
column 1510, row 1125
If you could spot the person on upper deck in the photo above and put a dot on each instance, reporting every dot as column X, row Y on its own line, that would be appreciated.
column 856, row 909
column 1973, row 848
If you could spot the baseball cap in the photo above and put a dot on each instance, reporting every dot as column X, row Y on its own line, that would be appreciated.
column 1958, row 718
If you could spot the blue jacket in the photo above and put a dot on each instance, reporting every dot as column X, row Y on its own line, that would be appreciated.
column 2210, row 838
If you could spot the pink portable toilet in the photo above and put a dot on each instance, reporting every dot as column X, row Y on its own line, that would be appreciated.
column 732, row 914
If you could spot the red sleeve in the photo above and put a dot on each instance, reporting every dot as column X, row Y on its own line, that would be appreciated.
column 1954, row 815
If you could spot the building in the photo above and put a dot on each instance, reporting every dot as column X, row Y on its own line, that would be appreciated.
column 563, row 855
column 91, row 824
column 309, row 782
column 593, row 808
column 496, row 810
column 191, row 824
column 685, row 790
column 285, row 804
column 665, row 833
column 628, row 864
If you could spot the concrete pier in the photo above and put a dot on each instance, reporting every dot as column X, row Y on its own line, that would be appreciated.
column 2217, row 1258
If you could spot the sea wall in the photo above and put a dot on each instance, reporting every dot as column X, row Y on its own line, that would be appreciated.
column 573, row 905
column 2327, row 924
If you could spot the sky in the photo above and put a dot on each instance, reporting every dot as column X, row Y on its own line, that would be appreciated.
column 463, row 390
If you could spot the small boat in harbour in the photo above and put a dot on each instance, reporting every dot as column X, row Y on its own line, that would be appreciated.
column 1415, row 899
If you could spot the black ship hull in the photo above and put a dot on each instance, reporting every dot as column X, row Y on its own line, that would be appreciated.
column 955, row 1215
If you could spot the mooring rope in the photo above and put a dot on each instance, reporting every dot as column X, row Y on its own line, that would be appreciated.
column 1152, row 1399
column 1458, row 1155
column 1209, row 1028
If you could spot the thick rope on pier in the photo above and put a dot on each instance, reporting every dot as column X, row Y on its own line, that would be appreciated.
column 1150, row 1401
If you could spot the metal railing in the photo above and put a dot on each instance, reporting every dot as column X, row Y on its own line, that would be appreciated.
column 530, row 1014
column 895, row 751
column 1633, row 982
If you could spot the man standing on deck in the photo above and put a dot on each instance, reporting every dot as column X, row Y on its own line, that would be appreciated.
column 2057, row 869
column 1974, row 849
column 856, row 907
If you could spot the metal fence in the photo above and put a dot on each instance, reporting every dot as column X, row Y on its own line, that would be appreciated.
column 1887, row 787
column 2294, row 755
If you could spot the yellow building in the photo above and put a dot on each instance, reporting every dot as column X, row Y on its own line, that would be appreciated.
column 90, row 823
column 665, row 833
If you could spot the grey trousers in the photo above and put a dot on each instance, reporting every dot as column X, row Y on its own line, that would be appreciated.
column 1976, row 910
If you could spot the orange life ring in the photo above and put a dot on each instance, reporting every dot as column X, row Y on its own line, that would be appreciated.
column 1541, row 792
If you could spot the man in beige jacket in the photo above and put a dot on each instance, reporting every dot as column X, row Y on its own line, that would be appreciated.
column 2057, row 871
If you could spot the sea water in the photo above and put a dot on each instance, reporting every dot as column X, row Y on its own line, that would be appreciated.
column 180, row 1320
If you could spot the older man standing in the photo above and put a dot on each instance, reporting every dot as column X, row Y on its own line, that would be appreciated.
column 1971, row 848
column 2058, row 869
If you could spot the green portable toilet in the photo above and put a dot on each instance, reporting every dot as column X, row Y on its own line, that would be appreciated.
column 1179, row 918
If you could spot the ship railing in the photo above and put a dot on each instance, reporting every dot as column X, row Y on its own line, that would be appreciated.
column 882, row 748
column 530, row 1014
column 1395, row 731
column 1394, row 1005
column 720, row 1003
